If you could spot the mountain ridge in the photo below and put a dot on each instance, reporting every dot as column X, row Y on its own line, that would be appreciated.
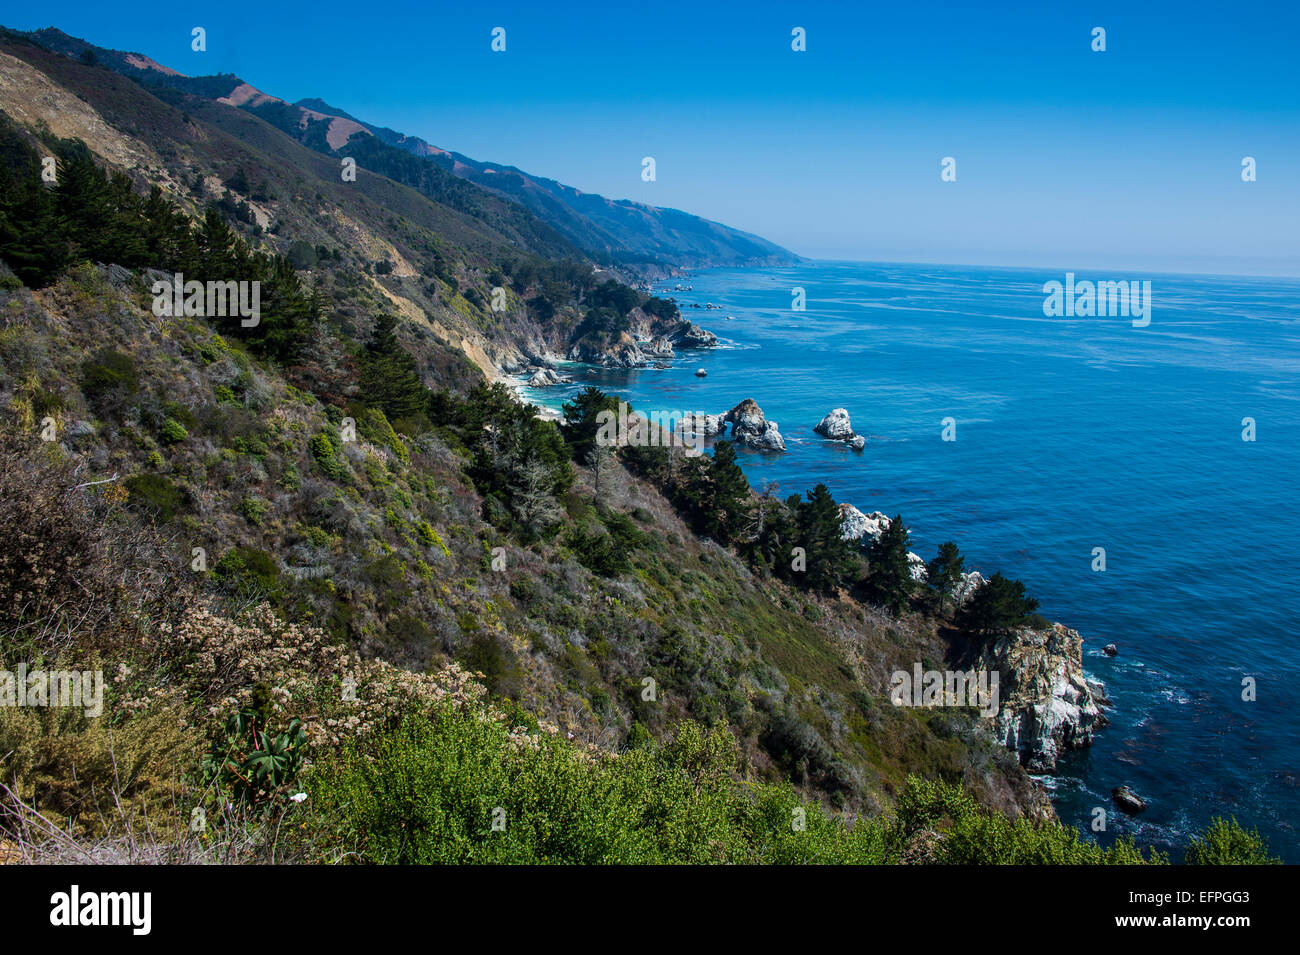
column 614, row 232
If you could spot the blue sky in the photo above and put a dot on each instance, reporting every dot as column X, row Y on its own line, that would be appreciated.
column 1065, row 157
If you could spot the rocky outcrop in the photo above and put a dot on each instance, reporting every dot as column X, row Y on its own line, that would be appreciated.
column 709, row 425
column 837, row 427
column 1047, row 705
column 620, row 352
column 659, row 347
column 751, row 429
column 1128, row 800
column 546, row 378
column 854, row 525
column 690, row 335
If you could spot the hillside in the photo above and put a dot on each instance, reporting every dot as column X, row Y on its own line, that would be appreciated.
column 618, row 233
column 322, row 555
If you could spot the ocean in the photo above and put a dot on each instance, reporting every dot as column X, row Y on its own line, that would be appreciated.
column 1071, row 434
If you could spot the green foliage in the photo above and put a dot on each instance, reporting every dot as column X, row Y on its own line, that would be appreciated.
column 108, row 381
column 713, row 494
column 450, row 787
column 153, row 494
column 90, row 215
column 172, row 432
column 944, row 574
column 389, row 378
column 998, row 605
column 373, row 425
column 254, row 509
column 1227, row 843
column 324, row 448
column 607, row 554
column 581, row 426
column 249, row 572
column 890, row 584
column 252, row 762
column 817, row 529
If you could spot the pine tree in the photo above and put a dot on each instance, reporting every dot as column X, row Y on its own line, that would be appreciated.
column 730, row 491
column 1000, row 604
column 580, row 425
column 829, row 556
column 891, row 583
column 944, row 573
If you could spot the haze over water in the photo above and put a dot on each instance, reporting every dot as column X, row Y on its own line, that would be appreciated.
column 1072, row 433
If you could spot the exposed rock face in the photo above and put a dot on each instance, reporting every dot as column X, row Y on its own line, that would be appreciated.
column 690, row 335
column 836, row 426
column 546, row 378
column 659, row 347
column 751, row 429
column 1047, row 705
column 854, row 525
column 857, row 442
column 1128, row 800
column 709, row 425
column 622, row 352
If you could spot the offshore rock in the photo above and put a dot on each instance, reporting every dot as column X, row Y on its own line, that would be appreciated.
column 836, row 426
column 750, row 429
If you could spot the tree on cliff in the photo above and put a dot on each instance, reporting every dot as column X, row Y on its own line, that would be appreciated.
column 580, row 425
column 830, row 560
column 890, row 583
column 944, row 573
column 997, row 606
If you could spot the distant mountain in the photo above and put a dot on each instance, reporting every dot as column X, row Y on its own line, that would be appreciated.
column 612, row 232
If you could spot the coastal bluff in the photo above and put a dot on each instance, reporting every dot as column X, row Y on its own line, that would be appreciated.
column 1048, row 704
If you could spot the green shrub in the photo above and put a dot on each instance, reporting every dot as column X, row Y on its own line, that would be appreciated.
column 325, row 449
column 108, row 381
column 172, row 431
column 248, row 571
column 254, row 509
column 1227, row 843
column 155, row 495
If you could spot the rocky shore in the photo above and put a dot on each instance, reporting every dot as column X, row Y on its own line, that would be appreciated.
column 1048, row 705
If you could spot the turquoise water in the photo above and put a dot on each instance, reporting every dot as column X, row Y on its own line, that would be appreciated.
column 1071, row 434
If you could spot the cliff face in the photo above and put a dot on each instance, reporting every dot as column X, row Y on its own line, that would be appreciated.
column 1048, row 705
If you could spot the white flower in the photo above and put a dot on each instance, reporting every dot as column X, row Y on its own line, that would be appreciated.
column 298, row 797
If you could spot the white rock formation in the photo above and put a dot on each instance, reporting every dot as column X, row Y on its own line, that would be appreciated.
column 854, row 525
column 836, row 426
column 545, row 378
column 751, row 429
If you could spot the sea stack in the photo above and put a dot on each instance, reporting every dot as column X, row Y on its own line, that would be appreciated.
column 837, row 427
column 751, row 429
